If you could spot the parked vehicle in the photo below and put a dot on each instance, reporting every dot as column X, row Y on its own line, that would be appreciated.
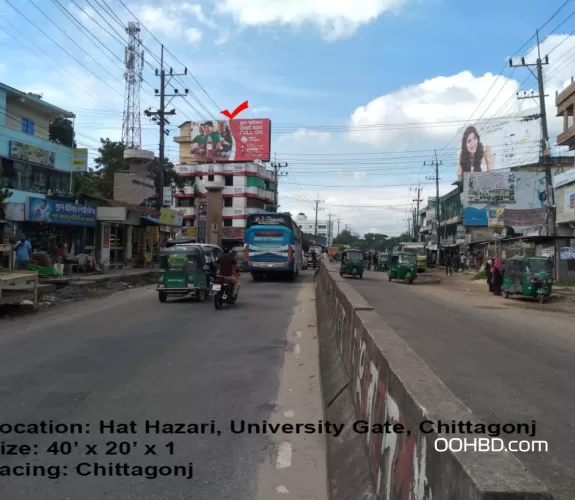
column 183, row 273
column 528, row 276
column 223, row 289
column 273, row 245
column 352, row 263
column 402, row 266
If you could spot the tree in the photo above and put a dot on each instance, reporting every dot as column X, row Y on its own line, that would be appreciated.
column 345, row 237
column 61, row 131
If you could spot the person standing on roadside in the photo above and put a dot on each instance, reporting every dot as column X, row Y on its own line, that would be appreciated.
column 448, row 266
column 23, row 249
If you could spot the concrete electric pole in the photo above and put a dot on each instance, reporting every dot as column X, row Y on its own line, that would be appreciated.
column 436, row 163
column 159, row 117
column 277, row 174
column 418, row 200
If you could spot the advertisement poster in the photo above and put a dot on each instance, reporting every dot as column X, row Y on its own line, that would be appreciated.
column 569, row 199
column 32, row 154
column 80, row 160
column 566, row 253
column 491, row 187
column 231, row 140
column 504, row 142
column 495, row 217
column 57, row 212
column 529, row 195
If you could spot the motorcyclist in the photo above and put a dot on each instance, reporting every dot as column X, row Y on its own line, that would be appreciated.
column 227, row 265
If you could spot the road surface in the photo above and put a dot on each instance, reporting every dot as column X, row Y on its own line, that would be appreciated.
column 507, row 364
column 128, row 358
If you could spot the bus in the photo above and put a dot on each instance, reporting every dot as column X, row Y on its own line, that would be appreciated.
column 418, row 249
column 272, row 245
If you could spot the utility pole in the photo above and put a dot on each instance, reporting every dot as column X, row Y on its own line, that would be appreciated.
column 418, row 200
column 338, row 223
column 545, row 158
column 436, row 163
column 159, row 117
column 277, row 174
column 317, row 209
column 328, row 229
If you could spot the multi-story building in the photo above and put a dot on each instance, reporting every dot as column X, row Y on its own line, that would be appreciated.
column 324, row 227
column 239, row 189
column 31, row 164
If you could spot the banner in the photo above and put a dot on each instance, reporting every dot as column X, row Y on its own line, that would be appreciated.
column 80, row 160
column 231, row 140
column 569, row 199
column 168, row 217
column 529, row 194
column 495, row 217
column 32, row 154
column 57, row 212
column 496, row 143
column 491, row 187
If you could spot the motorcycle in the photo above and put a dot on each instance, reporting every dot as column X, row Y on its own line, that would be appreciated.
column 222, row 290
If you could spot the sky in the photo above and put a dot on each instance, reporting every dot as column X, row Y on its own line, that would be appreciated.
column 360, row 94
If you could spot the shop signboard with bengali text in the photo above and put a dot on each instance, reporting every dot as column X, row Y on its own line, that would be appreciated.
column 59, row 212
column 528, row 196
column 32, row 154
column 497, row 143
column 190, row 232
column 240, row 140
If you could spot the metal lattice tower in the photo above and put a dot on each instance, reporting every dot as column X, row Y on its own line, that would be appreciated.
column 134, row 61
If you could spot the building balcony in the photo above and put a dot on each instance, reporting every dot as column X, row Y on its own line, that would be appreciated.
column 567, row 138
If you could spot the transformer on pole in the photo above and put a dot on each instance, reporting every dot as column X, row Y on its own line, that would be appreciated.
column 134, row 62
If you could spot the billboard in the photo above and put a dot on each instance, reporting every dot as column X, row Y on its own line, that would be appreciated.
column 80, row 160
column 497, row 143
column 231, row 140
column 514, row 199
column 58, row 212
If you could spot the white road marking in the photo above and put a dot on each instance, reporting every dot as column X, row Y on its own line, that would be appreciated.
column 289, row 414
column 282, row 489
column 297, row 349
column 284, row 456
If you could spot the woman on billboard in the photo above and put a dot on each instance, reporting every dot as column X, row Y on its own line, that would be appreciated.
column 474, row 156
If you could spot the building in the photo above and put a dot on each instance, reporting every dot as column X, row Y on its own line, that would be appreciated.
column 324, row 227
column 38, row 174
column 219, row 198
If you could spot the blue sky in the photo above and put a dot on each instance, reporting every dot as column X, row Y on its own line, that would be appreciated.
column 347, row 87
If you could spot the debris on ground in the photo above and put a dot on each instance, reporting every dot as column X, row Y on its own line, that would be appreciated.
column 73, row 293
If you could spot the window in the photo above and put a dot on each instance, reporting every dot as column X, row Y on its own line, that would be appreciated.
column 228, row 223
column 229, row 180
column 228, row 202
column 28, row 126
column 210, row 177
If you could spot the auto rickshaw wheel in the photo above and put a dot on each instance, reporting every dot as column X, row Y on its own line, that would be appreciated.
column 162, row 296
column 218, row 301
column 541, row 298
column 505, row 294
column 200, row 295
column 361, row 276
column 389, row 277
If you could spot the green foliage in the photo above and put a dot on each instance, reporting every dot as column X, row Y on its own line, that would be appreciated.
column 5, row 193
column 375, row 241
column 61, row 131
column 481, row 275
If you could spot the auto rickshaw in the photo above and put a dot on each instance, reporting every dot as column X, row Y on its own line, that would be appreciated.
column 402, row 266
column 381, row 261
column 352, row 263
column 183, row 273
column 528, row 276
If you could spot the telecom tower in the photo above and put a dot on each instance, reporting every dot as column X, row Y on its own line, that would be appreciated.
column 134, row 61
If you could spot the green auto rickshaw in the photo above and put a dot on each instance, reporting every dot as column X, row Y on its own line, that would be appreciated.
column 352, row 263
column 183, row 273
column 381, row 261
column 402, row 266
column 528, row 276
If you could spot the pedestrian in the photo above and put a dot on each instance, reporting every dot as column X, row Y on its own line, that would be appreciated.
column 23, row 249
column 375, row 261
column 497, row 276
column 448, row 268
column 463, row 262
column 489, row 274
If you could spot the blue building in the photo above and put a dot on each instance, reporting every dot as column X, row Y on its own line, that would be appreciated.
column 31, row 164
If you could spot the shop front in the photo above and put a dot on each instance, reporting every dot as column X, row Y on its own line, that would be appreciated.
column 232, row 236
column 58, row 229
column 117, row 225
column 155, row 232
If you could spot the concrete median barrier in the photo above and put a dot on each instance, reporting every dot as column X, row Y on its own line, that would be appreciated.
column 375, row 385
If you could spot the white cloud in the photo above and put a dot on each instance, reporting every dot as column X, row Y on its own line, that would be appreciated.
column 159, row 20
column 261, row 110
column 223, row 37
column 194, row 35
column 315, row 136
column 335, row 19
column 447, row 102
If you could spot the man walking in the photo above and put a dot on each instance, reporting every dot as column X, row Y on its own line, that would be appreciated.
column 448, row 264
column 23, row 252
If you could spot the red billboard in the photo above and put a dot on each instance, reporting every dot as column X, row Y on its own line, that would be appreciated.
column 231, row 140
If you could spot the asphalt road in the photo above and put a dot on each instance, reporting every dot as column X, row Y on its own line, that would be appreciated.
column 128, row 358
column 506, row 364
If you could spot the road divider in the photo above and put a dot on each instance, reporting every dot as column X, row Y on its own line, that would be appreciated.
column 392, row 406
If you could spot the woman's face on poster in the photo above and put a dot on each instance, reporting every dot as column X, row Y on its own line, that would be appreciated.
column 472, row 143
